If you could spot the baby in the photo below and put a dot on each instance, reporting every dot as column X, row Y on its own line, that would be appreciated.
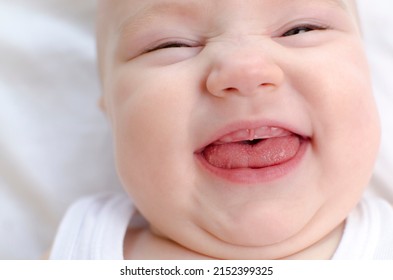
column 243, row 129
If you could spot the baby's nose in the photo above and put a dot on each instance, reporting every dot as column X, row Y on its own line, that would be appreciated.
column 243, row 71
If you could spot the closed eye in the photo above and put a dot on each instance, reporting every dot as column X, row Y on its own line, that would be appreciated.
column 168, row 45
column 303, row 29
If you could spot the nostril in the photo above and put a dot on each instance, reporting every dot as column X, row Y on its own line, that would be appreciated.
column 245, row 90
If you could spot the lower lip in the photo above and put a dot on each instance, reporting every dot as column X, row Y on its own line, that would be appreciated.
column 258, row 175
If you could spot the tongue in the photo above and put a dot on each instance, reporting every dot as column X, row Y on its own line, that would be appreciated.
column 268, row 152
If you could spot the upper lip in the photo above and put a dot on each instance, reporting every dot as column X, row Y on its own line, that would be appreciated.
column 250, row 130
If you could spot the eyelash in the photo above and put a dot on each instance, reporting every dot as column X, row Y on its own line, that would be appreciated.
column 303, row 29
column 292, row 32
column 168, row 45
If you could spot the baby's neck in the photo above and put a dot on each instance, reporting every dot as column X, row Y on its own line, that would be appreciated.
column 143, row 244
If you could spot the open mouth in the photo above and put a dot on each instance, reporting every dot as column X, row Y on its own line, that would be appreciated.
column 252, row 148
column 263, row 150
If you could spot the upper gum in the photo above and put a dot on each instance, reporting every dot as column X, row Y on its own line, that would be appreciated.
column 251, row 134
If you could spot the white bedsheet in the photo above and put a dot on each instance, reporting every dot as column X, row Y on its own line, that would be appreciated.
column 54, row 142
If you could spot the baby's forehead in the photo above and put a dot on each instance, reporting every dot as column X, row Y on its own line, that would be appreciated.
column 112, row 14
column 132, row 7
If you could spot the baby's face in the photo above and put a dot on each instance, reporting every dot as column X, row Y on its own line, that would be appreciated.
column 187, row 84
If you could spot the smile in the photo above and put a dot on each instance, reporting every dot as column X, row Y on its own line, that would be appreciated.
column 254, row 155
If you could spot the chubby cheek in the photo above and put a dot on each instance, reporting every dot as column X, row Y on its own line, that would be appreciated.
column 345, row 121
column 150, row 122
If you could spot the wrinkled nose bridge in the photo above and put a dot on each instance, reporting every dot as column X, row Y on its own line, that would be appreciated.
column 242, row 71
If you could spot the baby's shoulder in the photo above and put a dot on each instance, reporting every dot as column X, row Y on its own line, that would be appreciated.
column 93, row 228
column 377, row 226
column 368, row 233
column 378, row 209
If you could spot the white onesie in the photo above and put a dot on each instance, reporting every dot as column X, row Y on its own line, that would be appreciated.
column 95, row 227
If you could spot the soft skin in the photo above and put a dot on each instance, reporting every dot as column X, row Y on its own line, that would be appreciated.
column 174, row 73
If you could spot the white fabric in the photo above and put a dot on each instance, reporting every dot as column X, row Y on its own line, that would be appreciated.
column 54, row 142
column 368, row 233
column 94, row 228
